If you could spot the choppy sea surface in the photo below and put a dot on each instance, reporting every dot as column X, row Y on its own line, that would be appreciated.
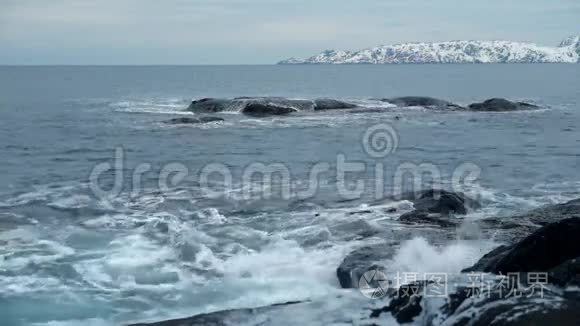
column 146, row 251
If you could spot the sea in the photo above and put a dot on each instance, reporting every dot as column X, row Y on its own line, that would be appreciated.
column 109, row 215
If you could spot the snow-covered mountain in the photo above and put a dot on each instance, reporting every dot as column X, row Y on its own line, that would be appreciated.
column 452, row 52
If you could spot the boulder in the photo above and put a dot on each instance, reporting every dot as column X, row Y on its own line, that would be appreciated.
column 264, row 110
column 441, row 201
column 423, row 101
column 330, row 104
column 191, row 120
column 500, row 104
column 543, row 250
column 435, row 206
column 361, row 261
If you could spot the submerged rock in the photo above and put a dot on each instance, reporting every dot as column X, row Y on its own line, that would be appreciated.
column 263, row 110
column 500, row 104
column 541, row 251
column 190, row 120
column 423, row 101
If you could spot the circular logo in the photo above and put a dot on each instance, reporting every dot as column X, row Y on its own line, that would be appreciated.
column 380, row 140
column 373, row 284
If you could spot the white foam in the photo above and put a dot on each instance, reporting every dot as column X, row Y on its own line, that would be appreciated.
column 75, row 201
column 418, row 256
column 156, row 106
column 284, row 266
column 76, row 322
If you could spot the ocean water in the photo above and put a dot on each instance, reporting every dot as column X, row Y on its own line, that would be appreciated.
column 139, row 250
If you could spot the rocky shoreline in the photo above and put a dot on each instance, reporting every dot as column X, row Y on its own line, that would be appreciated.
column 544, row 246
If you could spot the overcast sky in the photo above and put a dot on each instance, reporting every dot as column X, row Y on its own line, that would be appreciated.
column 258, row 31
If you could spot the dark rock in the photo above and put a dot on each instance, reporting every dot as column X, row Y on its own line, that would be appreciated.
column 405, row 303
column 330, row 104
column 220, row 318
column 423, row 101
column 437, row 201
column 500, row 104
column 263, row 110
column 189, row 120
column 541, row 251
column 566, row 274
column 212, row 105
column 361, row 261
column 298, row 104
column 495, row 308
column 209, row 105
column 443, row 202
column 435, row 206
column 489, row 260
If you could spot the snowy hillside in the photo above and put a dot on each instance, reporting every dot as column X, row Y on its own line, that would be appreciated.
column 452, row 52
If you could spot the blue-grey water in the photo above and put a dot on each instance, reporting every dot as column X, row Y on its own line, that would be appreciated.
column 70, row 256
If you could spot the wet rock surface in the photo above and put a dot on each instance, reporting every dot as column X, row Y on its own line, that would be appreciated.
column 405, row 303
column 500, row 104
column 541, row 251
column 474, row 307
column 552, row 249
column 251, row 105
column 246, row 105
column 330, row 104
column 436, row 206
column 208, row 105
column 264, row 110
